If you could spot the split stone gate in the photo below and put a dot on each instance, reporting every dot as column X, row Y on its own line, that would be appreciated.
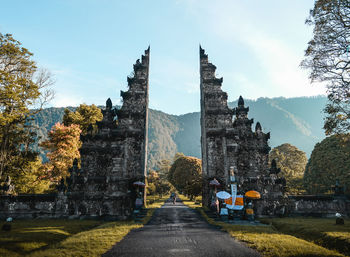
column 114, row 156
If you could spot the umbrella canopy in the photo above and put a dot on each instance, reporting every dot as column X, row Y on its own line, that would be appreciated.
column 252, row 194
column 223, row 195
column 214, row 182
column 139, row 183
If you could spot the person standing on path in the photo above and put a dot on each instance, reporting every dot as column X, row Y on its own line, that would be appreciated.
column 174, row 198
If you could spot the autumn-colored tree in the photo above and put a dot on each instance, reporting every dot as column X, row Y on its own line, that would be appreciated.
column 84, row 116
column 63, row 146
column 186, row 175
column 328, row 163
column 22, row 88
column 292, row 162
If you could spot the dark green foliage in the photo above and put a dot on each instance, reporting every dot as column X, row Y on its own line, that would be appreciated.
column 186, row 175
column 329, row 162
column 161, row 137
column 292, row 163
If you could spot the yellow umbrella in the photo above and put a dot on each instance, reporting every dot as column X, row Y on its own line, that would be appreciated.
column 252, row 194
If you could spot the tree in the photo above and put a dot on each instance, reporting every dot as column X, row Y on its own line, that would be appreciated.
column 178, row 155
column 22, row 87
column 63, row 146
column 329, row 162
column 157, row 181
column 84, row 116
column 152, row 179
column 163, row 169
column 31, row 180
column 327, row 56
column 64, row 140
column 292, row 162
column 186, row 175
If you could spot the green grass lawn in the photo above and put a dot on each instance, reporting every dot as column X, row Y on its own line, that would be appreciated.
column 67, row 237
column 29, row 235
column 321, row 231
column 269, row 240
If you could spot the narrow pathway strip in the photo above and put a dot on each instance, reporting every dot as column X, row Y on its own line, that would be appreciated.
column 176, row 230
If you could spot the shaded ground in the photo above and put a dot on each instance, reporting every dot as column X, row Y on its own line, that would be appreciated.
column 176, row 230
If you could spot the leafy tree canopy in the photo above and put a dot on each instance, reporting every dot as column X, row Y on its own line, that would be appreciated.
column 292, row 162
column 31, row 180
column 186, row 175
column 84, row 116
column 329, row 162
column 327, row 57
column 157, row 185
column 22, row 87
column 163, row 168
column 63, row 146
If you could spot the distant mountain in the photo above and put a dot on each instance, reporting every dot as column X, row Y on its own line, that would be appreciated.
column 297, row 121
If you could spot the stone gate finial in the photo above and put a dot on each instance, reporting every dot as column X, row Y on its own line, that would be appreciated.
column 258, row 127
column 202, row 55
column 109, row 104
column 240, row 101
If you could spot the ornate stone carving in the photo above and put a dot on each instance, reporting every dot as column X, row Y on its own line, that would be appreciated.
column 115, row 155
column 230, row 142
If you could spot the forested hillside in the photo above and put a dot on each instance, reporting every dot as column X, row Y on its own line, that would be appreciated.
column 297, row 121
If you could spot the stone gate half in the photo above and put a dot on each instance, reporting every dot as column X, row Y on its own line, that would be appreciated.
column 228, row 142
column 116, row 155
column 113, row 156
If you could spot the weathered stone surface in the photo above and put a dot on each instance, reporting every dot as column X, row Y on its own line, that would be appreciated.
column 228, row 142
column 112, row 158
column 320, row 206
column 28, row 206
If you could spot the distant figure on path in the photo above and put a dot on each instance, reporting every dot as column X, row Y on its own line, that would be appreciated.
column 174, row 198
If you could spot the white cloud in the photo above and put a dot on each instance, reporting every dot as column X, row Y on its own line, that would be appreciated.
column 233, row 21
column 74, row 87
column 64, row 100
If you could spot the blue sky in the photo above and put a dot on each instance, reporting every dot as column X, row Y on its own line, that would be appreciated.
column 90, row 46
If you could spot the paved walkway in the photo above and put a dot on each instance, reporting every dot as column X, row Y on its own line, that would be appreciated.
column 176, row 230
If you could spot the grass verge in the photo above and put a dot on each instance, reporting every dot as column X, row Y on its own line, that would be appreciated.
column 58, row 238
column 321, row 231
column 266, row 239
column 93, row 242
column 27, row 236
